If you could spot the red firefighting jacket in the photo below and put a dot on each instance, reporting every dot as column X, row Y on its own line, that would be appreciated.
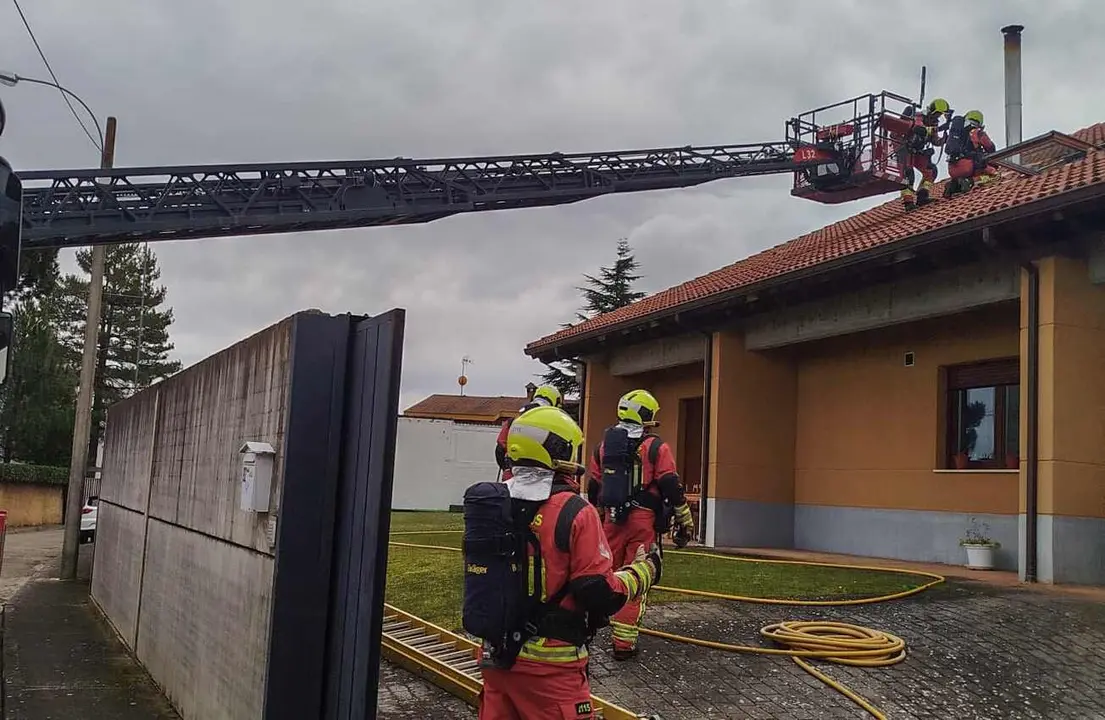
column 661, row 478
column 595, row 586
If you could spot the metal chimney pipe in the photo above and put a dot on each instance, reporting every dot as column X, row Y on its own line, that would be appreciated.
column 1012, row 35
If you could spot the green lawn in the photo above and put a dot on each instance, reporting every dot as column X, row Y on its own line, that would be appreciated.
column 429, row 583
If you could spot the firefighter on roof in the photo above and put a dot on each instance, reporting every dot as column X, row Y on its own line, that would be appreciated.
column 918, row 149
column 967, row 147
column 537, row 616
column 542, row 396
column 632, row 478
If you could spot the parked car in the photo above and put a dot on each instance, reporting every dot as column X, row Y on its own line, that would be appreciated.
column 88, row 520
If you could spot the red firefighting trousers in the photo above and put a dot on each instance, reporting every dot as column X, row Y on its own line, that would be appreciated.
column 536, row 691
column 638, row 529
column 923, row 163
column 981, row 172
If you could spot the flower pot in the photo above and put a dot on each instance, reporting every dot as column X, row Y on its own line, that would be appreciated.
column 980, row 557
column 961, row 461
column 1012, row 461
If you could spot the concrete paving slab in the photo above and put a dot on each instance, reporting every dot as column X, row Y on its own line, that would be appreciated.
column 62, row 660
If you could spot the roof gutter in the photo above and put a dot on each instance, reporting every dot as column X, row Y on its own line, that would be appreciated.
column 1038, row 207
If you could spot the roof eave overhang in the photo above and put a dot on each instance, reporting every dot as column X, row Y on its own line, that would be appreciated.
column 664, row 322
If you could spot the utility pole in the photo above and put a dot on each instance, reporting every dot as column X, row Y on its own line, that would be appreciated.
column 82, row 426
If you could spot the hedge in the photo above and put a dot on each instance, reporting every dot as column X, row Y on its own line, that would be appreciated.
column 33, row 474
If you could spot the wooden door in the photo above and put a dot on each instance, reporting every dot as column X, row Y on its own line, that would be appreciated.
column 690, row 445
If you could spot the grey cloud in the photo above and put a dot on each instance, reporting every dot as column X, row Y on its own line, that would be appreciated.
column 208, row 81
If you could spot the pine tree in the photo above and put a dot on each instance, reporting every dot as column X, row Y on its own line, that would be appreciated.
column 134, row 346
column 612, row 289
column 38, row 400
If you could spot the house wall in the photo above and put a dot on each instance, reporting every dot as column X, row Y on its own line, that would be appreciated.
column 835, row 445
column 669, row 386
column 30, row 504
column 183, row 574
column 436, row 460
column 868, row 477
column 751, row 467
column 1071, row 524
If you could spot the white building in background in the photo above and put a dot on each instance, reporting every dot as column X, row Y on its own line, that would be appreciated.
column 446, row 443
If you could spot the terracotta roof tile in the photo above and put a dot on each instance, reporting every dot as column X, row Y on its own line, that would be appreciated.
column 469, row 406
column 882, row 225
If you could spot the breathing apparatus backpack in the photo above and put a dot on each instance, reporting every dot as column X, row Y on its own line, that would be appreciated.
column 958, row 142
column 622, row 472
column 502, row 599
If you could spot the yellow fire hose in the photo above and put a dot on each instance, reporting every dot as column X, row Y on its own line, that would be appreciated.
column 835, row 642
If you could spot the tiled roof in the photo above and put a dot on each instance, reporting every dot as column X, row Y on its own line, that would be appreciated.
column 470, row 407
column 882, row 225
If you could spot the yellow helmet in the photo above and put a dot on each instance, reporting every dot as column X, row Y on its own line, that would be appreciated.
column 937, row 106
column 545, row 437
column 974, row 117
column 549, row 394
column 638, row 406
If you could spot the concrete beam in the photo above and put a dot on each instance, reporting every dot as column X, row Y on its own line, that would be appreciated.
column 658, row 355
column 941, row 293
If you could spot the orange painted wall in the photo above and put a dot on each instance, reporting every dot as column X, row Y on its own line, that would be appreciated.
column 600, row 401
column 669, row 386
column 752, row 420
column 1072, row 394
column 869, row 429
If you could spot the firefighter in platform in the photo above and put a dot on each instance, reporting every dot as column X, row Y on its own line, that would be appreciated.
column 967, row 146
column 632, row 479
column 542, row 396
column 566, row 589
column 918, row 150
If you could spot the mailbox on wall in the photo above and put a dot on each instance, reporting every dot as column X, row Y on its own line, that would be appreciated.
column 256, row 476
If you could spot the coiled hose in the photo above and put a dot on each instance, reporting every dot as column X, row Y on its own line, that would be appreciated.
column 801, row 640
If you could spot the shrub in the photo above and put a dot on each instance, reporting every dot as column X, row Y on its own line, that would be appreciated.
column 33, row 474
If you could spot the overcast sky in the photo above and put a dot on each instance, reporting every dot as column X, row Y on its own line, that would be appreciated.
column 272, row 80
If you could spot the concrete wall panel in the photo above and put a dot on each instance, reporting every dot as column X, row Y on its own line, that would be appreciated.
column 206, row 413
column 950, row 291
column 117, row 575
column 203, row 629
column 659, row 354
column 128, row 451
column 193, row 597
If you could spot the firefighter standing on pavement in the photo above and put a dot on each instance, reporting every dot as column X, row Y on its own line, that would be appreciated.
column 918, row 149
column 544, row 395
column 967, row 146
column 633, row 480
column 574, row 575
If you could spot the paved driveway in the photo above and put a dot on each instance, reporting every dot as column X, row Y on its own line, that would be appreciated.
column 976, row 652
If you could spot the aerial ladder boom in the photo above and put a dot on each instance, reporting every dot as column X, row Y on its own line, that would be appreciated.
column 85, row 207
column 837, row 153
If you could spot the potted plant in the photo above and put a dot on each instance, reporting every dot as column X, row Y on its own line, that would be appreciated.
column 979, row 546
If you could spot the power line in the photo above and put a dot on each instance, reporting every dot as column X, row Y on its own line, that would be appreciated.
column 53, row 75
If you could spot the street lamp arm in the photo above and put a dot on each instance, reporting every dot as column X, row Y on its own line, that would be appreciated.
column 11, row 79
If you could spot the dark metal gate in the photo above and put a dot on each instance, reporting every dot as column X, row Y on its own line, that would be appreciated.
column 331, row 555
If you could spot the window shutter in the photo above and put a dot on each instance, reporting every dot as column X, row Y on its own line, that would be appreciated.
column 1006, row 371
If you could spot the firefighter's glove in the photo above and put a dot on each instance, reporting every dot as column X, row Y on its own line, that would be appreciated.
column 641, row 574
column 685, row 520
